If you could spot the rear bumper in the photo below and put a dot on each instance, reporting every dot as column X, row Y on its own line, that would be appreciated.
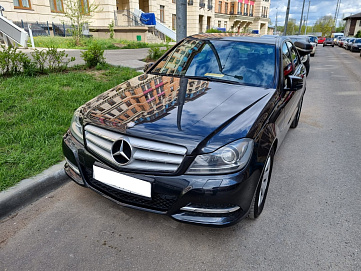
column 216, row 200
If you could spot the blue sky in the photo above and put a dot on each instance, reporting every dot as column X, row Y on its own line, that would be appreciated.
column 318, row 9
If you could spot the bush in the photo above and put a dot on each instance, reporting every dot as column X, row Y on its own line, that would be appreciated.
column 155, row 53
column 358, row 35
column 12, row 62
column 94, row 55
column 56, row 59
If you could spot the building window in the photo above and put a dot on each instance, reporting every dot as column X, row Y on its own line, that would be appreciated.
column 225, row 25
column 161, row 14
column 251, row 10
column 56, row 5
column 173, row 1
column 174, row 21
column 239, row 8
column 219, row 24
column 219, row 6
column 245, row 9
column 22, row 4
column 226, row 8
column 232, row 8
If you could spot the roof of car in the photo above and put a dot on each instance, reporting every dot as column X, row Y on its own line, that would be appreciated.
column 236, row 37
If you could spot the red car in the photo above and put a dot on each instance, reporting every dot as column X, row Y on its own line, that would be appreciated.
column 321, row 40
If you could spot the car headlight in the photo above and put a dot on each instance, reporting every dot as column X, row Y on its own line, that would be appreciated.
column 229, row 158
column 75, row 127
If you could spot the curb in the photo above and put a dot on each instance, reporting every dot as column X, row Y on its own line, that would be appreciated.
column 30, row 190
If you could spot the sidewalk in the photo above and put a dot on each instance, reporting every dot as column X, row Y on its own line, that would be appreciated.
column 30, row 190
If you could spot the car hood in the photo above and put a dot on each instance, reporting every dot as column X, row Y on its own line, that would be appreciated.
column 182, row 111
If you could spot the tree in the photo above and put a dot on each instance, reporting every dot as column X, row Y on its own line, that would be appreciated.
column 324, row 25
column 79, row 13
column 292, row 28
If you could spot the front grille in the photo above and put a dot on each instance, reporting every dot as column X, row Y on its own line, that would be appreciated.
column 157, row 202
column 147, row 155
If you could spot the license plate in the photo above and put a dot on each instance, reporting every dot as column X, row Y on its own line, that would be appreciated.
column 122, row 182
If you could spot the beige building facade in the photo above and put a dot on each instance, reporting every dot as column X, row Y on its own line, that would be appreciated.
column 234, row 15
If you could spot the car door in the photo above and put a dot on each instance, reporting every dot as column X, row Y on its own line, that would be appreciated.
column 291, row 66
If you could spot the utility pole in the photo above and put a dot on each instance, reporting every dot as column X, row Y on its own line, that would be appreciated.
column 299, row 29
column 286, row 19
column 276, row 20
column 309, row 3
column 181, row 19
column 336, row 12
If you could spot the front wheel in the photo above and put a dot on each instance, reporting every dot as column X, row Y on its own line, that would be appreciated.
column 259, row 198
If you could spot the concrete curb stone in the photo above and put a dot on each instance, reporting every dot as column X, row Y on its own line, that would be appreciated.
column 30, row 190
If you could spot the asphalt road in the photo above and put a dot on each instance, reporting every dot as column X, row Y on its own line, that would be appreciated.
column 311, row 221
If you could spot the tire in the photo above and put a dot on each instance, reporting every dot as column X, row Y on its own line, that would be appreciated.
column 259, row 197
column 295, row 121
column 312, row 55
column 333, row 45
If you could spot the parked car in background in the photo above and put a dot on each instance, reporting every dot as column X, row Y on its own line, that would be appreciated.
column 309, row 40
column 341, row 41
column 320, row 40
column 356, row 45
column 328, row 42
column 194, row 137
column 313, row 39
column 349, row 43
column 306, row 57
column 344, row 45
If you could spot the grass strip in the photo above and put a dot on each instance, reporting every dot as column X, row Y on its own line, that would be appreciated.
column 35, row 112
column 106, row 44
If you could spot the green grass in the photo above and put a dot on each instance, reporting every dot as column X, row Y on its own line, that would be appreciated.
column 106, row 44
column 35, row 112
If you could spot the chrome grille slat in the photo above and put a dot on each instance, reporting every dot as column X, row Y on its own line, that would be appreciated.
column 104, row 144
column 157, row 157
column 147, row 155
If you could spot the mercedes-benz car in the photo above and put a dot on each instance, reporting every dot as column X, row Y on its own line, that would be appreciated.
column 194, row 137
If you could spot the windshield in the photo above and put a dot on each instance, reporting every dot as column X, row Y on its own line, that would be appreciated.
column 219, row 60
column 313, row 39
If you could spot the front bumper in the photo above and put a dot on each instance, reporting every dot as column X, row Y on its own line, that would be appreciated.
column 217, row 200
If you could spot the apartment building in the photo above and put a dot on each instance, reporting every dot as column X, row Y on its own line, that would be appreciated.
column 235, row 15
column 243, row 16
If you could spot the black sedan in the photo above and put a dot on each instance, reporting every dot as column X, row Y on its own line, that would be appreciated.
column 194, row 137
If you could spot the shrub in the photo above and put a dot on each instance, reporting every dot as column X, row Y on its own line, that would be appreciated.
column 155, row 53
column 12, row 61
column 94, row 55
column 40, row 57
column 111, row 30
column 56, row 59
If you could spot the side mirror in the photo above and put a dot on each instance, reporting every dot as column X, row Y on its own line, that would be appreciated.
column 148, row 66
column 294, row 83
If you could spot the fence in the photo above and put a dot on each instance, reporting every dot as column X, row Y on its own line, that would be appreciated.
column 45, row 29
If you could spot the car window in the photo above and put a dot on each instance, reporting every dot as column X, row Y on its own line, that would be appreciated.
column 236, row 61
column 286, row 60
column 294, row 55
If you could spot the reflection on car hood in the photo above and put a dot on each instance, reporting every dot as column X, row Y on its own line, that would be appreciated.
column 164, row 108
